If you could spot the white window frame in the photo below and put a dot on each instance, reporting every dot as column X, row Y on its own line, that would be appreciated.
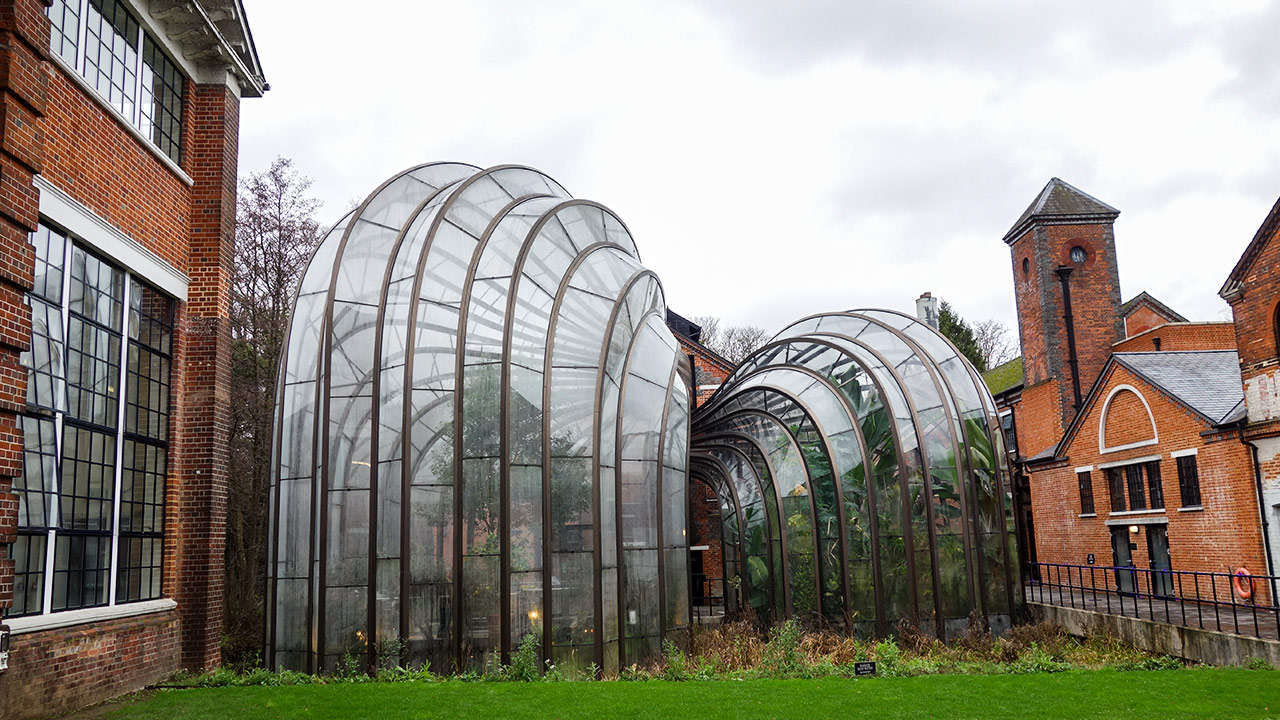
column 59, row 210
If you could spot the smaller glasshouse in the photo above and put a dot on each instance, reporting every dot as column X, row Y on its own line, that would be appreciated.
column 484, row 432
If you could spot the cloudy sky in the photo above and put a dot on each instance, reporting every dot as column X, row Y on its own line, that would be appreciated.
column 776, row 159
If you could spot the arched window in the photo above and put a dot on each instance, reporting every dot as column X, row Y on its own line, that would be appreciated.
column 1275, row 327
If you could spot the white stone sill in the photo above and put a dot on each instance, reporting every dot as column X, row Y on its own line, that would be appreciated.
column 1192, row 508
column 70, row 618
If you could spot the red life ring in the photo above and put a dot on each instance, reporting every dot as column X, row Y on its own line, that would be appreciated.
column 1243, row 583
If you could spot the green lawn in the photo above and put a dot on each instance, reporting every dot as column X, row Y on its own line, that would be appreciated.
column 1190, row 693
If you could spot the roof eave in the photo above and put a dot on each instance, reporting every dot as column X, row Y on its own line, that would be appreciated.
column 1021, row 228
column 1232, row 287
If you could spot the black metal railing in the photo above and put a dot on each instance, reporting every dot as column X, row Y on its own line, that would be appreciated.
column 708, row 596
column 1224, row 602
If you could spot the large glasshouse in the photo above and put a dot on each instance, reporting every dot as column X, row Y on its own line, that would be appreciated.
column 484, row 433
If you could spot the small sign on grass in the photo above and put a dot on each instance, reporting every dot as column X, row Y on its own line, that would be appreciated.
column 864, row 668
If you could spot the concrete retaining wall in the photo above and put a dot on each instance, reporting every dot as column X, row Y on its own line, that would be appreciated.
column 1206, row 646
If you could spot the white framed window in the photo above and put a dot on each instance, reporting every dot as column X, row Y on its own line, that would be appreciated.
column 96, row 425
column 105, row 43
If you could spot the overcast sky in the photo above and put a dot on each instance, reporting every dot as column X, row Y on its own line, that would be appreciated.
column 779, row 159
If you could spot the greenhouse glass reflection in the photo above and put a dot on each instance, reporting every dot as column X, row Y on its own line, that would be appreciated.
column 862, row 479
column 482, row 430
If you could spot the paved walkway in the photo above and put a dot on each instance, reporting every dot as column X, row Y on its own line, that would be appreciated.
column 1248, row 620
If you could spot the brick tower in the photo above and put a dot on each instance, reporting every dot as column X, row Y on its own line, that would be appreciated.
column 1068, row 294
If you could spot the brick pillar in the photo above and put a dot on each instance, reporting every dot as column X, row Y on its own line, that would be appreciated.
column 24, row 93
column 213, row 114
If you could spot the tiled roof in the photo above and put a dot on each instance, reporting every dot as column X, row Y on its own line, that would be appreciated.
column 1004, row 377
column 1060, row 201
column 1207, row 381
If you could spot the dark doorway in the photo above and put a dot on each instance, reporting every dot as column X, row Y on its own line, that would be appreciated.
column 1025, row 526
column 1122, row 557
column 1161, row 563
column 699, row 578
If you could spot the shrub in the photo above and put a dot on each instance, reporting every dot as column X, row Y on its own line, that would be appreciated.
column 527, row 661
column 1036, row 660
column 781, row 656
column 1259, row 664
column 674, row 666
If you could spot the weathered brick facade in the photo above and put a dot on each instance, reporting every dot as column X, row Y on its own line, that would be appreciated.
column 1127, row 418
column 183, row 216
column 1253, row 290
column 1038, row 253
column 24, row 93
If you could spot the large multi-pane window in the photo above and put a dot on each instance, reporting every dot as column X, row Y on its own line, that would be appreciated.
column 91, row 497
column 106, row 44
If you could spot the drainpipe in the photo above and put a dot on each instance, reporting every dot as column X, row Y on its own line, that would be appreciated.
column 1064, row 272
column 1262, row 511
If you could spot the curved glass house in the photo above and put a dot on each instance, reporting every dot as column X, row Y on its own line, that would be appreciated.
column 861, row 479
column 482, row 432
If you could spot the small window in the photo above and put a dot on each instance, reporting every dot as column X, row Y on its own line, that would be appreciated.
column 1115, row 483
column 1010, row 431
column 1078, row 255
column 1026, row 266
column 1086, row 492
column 1189, row 481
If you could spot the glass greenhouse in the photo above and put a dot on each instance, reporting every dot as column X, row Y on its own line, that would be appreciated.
column 861, row 478
column 483, row 432
column 482, row 429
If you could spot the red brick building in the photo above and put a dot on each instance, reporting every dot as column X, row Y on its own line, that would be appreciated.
column 706, row 551
column 118, row 148
column 1125, row 420
column 1253, row 290
column 709, row 367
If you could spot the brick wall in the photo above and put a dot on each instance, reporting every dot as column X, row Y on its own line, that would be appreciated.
column 205, row 418
column 1038, row 418
column 52, row 126
column 1095, row 302
column 706, row 529
column 1143, row 318
column 711, row 370
column 72, row 667
column 1256, row 312
column 1223, row 536
column 1126, row 421
column 24, row 95
column 1182, row 336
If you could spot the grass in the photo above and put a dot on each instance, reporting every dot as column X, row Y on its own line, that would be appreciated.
column 1186, row 693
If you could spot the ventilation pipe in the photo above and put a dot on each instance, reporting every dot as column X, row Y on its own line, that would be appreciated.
column 1064, row 274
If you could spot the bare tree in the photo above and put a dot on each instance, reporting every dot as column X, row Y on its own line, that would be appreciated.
column 710, row 325
column 734, row 342
column 739, row 341
column 275, row 234
column 995, row 342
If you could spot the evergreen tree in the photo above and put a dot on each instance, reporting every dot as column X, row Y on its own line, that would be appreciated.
column 959, row 332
